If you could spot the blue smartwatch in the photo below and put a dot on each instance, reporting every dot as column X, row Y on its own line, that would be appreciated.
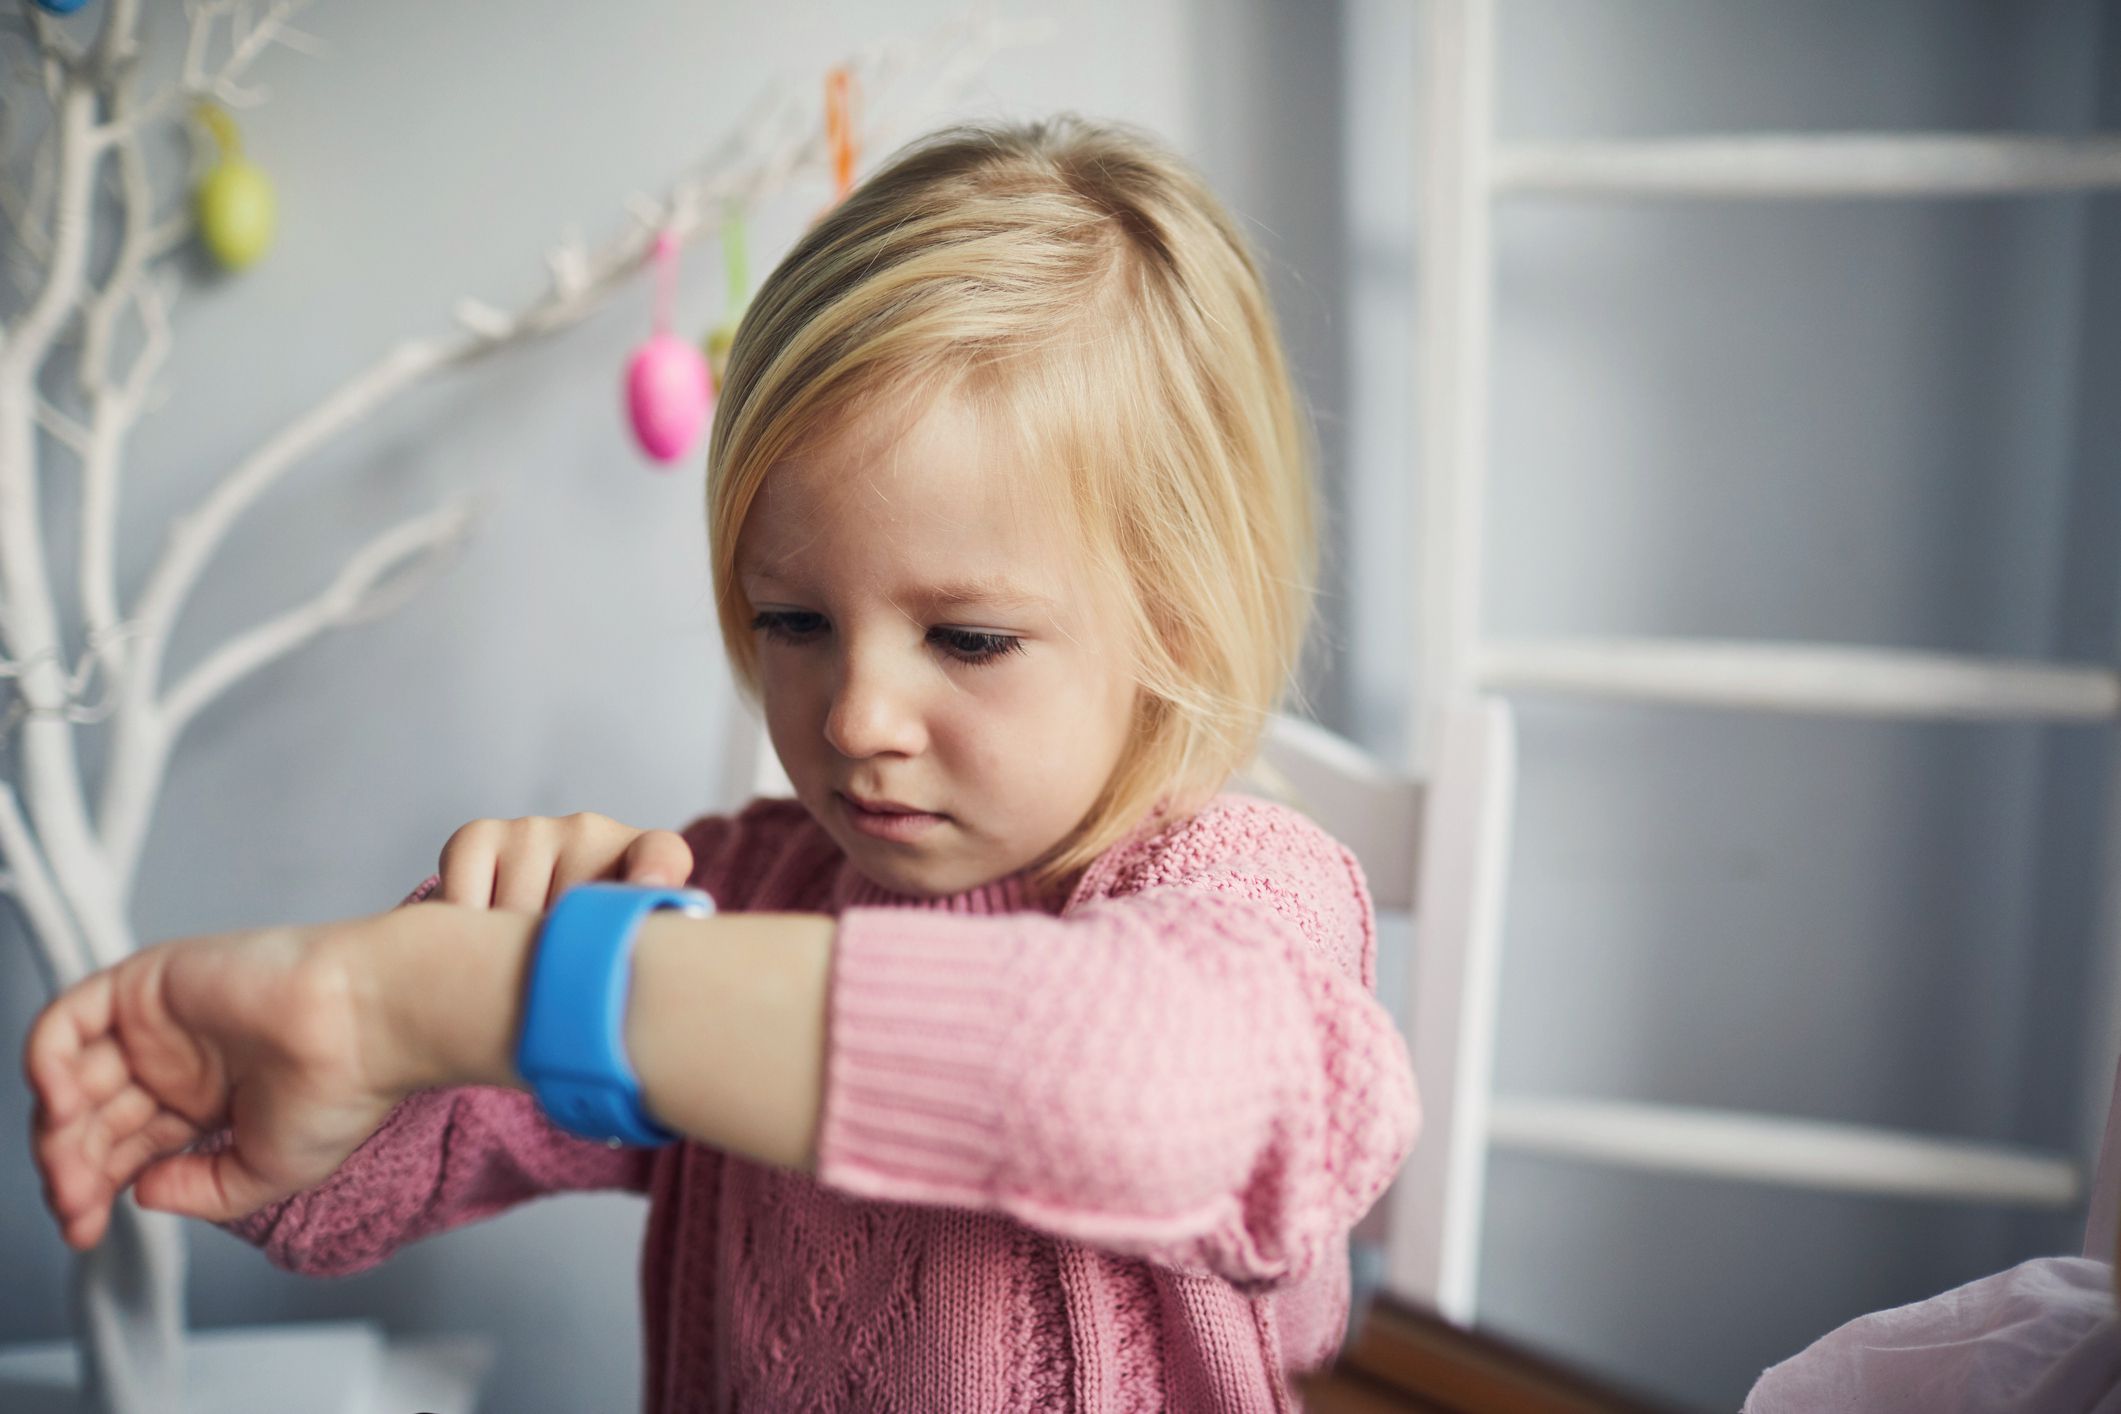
column 572, row 1047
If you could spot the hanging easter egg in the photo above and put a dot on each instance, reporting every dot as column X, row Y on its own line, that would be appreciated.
column 667, row 392
column 667, row 397
column 720, row 339
column 236, row 212
column 234, row 202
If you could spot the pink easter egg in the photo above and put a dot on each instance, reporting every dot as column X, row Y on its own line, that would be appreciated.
column 667, row 395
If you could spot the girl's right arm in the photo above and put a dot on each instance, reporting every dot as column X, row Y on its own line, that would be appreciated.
column 446, row 1157
column 440, row 1159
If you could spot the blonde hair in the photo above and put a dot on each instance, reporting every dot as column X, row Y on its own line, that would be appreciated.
column 1079, row 276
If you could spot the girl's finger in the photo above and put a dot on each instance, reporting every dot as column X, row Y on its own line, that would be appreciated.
column 126, row 1124
column 72, row 1184
column 525, row 880
column 162, row 1132
column 82, row 1159
column 83, row 1229
column 99, row 1072
column 578, row 865
column 51, row 1055
column 657, row 857
column 212, row 1187
column 81, row 1186
column 467, row 869
column 95, row 1133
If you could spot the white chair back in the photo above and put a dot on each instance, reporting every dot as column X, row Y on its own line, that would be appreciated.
column 1437, row 849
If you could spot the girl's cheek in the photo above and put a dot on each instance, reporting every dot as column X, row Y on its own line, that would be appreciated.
column 1023, row 681
column 1038, row 735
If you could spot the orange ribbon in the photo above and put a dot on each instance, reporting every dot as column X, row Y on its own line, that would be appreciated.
column 839, row 128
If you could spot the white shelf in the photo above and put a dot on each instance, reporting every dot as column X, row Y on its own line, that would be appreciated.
column 1802, row 677
column 329, row 1367
column 1769, row 1149
column 1812, row 165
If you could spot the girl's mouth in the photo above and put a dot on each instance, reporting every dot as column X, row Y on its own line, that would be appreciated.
column 902, row 826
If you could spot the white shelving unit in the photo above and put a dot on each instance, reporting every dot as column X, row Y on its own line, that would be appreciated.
column 1463, row 171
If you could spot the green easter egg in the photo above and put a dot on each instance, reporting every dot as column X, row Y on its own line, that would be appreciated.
column 236, row 212
column 718, row 343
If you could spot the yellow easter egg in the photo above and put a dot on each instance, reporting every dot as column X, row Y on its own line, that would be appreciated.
column 236, row 212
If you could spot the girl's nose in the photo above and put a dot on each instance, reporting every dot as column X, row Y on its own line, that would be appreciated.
column 873, row 715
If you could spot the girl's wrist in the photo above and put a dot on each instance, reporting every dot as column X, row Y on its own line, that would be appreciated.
column 437, row 991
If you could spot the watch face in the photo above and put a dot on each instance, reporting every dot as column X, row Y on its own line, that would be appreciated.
column 697, row 903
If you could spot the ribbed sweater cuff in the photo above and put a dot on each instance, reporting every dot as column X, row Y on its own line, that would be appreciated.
column 919, row 1014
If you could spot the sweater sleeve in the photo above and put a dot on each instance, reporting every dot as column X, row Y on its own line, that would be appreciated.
column 440, row 1159
column 1195, row 1072
column 456, row 1154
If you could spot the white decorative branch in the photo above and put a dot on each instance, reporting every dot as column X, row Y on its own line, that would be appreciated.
column 351, row 598
column 71, row 874
column 32, row 885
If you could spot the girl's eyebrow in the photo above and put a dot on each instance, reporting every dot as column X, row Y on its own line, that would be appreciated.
column 989, row 593
column 986, row 591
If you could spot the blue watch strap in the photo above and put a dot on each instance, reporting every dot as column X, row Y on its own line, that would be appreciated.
column 572, row 1046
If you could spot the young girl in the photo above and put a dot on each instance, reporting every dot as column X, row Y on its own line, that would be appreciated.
column 1022, row 1067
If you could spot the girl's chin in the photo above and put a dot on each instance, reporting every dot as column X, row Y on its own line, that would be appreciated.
column 893, row 867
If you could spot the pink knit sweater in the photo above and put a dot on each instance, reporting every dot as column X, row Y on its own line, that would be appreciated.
column 1098, row 1156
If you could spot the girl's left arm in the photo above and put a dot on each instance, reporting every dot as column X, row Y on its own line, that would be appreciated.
column 1195, row 1073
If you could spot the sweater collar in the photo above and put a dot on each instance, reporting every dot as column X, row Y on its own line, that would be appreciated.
column 1011, row 893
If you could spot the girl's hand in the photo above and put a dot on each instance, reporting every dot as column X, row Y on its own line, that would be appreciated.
column 524, row 865
column 129, row 1065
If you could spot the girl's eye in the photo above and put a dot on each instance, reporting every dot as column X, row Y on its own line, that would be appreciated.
column 969, row 647
column 788, row 626
column 965, row 645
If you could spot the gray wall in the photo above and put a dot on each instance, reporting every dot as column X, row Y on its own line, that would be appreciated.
column 1863, row 423
column 1866, row 423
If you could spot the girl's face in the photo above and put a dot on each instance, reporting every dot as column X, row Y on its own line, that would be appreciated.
column 929, row 642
